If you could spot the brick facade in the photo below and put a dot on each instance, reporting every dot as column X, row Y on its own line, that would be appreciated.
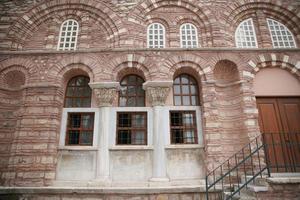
column 111, row 44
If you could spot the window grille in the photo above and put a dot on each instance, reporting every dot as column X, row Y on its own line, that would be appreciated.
column 68, row 35
column 245, row 36
column 156, row 36
column 188, row 36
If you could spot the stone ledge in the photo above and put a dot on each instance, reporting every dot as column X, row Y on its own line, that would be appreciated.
column 183, row 146
column 129, row 148
column 97, row 190
column 284, row 180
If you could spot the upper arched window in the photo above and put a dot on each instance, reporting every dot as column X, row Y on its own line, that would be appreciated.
column 68, row 35
column 156, row 36
column 131, row 92
column 245, row 36
column 78, row 92
column 185, row 91
column 281, row 35
column 188, row 36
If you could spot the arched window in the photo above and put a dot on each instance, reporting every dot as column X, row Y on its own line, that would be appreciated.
column 131, row 92
column 245, row 36
column 281, row 35
column 78, row 92
column 156, row 36
column 188, row 36
column 68, row 35
column 185, row 91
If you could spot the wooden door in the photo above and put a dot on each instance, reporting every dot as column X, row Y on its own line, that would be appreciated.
column 279, row 121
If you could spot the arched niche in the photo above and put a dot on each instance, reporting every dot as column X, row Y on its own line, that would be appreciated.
column 275, row 82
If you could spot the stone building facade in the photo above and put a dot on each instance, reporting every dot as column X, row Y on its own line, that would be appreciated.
column 112, row 42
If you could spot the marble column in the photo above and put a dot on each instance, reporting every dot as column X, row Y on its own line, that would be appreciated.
column 156, row 94
column 105, row 94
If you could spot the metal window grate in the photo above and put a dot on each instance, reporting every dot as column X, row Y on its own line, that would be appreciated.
column 156, row 36
column 80, row 129
column 132, row 128
column 189, row 36
column 245, row 36
column 68, row 35
column 183, row 127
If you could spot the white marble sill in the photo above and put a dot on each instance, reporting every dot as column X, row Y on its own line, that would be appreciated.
column 77, row 148
column 130, row 148
column 185, row 146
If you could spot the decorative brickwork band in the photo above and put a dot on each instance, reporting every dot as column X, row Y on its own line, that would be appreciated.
column 157, row 91
column 105, row 92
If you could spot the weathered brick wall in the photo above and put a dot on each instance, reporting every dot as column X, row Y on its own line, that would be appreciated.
column 35, row 24
column 30, row 113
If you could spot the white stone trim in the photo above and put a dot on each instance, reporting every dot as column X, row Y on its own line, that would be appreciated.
column 64, row 122
column 96, row 85
column 157, row 84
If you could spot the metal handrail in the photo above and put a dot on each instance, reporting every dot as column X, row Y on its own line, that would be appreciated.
column 261, row 149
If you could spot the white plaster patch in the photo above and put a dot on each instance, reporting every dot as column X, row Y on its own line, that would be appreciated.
column 207, row 69
column 262, row 58
column 273, row 57
column 285, row 58
column 294, row 70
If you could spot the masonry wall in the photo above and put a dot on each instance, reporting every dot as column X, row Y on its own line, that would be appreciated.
column 112, row 43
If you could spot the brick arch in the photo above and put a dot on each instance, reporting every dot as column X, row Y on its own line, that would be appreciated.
column 126, row 68
column 190, row 65
column 140, row 14
column 242, row 10
column 25, row 25
column 137, row 61
column 274, row 60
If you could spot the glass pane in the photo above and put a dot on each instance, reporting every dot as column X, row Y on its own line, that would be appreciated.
column 140, row 101
column 177, row 100
column 86, row 102
column 194, row 100
column 123, row 90
column 189, row 136
column 193, row 89
column 87, row 121
column 185, row 89
column 131, row 90
column 73, row 137
column 124, row 120
column 188, row 119
column 176, row 119
column 140, row 90
column 177, row 136
column 177, row 80
column 68, row 102
column 184, row 79
column 131, row 101
column 138, row 120
column 176, row 89
column 124, row 137
column 74, row 120
column 186, row 100
column 131, row 80
column 139, row 137
column 86, row 138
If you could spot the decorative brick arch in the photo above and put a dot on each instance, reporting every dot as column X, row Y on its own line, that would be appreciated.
column 277, row 10
column 142, row 13
column 274, row 60
column 118, row 65
column 195, row 63
column 25, row 25
column 85, row 63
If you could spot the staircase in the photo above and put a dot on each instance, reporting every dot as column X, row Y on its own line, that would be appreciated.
column 245, row 173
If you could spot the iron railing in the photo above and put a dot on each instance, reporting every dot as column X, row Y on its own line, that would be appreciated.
column 269, row 152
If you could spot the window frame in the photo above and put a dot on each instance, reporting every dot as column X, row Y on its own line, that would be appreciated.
column 189, row 94
column 196, row 35
column 80, row 97
column 163, row 39
column 136, row 96
column 286, row 29
column 145, row 128
column 64, row 124
column 254, row 34
column 80, row 128
column 183, row 128
column 64, row 41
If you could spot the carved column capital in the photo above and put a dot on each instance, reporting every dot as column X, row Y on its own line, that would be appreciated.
column 105, row 92
column 157, row 91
